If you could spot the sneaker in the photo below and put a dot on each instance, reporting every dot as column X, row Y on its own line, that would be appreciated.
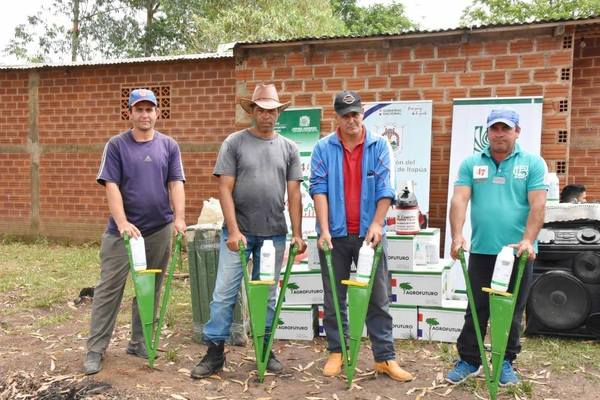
column 93, row 363
column 137, row 349
column 212, row 362
column 461, row 371
column 274, row 365
column 508, row 376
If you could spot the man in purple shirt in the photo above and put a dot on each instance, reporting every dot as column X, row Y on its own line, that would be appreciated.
column 143, row 175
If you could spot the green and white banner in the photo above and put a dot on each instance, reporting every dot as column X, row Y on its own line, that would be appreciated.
column 407, row 127
column 469, row 135
column 303, row 126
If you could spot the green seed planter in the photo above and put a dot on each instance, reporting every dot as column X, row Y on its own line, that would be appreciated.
column 258, row 298
column 359, row 295
column 502, row 309
column 144, row 285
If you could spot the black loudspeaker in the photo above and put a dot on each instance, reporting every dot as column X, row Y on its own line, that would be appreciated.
column 564, row 298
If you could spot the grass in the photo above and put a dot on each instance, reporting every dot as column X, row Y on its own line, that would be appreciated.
column 44, row 276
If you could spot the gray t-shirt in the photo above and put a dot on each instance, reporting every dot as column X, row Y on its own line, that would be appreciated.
column 262, row 168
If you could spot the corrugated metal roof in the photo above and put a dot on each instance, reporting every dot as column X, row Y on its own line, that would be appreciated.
column 184, row 57
column 433, row 32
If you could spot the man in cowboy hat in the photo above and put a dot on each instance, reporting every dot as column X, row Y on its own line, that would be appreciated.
column 255, row 166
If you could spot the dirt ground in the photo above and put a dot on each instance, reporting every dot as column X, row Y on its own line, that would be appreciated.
column 57, row 352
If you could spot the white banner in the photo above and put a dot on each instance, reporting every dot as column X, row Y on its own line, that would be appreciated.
column 469, row 135
column 407, row 127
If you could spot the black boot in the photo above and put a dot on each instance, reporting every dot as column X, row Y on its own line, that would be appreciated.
column 212, row 362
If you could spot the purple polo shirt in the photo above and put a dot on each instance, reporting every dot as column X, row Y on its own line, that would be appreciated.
column 142, row 170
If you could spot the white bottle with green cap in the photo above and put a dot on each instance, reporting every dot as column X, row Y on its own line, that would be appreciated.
column 503, row 269
column 365, row 263
column 267, row 261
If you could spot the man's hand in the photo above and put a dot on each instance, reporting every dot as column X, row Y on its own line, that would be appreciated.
column 457, row 244
column 233, row 240
column 325, row 237
column 297, row 240
column 374, row 234
column 130, row 229
column 524, row 245
column 179, row 225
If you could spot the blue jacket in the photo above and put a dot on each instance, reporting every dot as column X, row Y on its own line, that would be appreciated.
column 327, row 177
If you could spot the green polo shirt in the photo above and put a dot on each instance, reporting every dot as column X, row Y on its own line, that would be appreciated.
column 499, row 202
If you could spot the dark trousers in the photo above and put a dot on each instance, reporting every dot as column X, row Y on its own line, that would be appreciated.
column 379, row 321
column 481, row 269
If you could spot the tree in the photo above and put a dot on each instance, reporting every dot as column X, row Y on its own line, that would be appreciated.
column 483, row 12
column 372, row 20
column 257, row 20
column 72, row 27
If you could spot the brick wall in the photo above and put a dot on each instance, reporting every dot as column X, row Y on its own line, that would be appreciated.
column 78, row 110
column 584, row 135
column 55, row 121
column 500, row 64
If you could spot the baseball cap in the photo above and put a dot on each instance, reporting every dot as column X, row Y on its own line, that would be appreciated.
column 138, row 95
column 505, row 115
column 346, row 102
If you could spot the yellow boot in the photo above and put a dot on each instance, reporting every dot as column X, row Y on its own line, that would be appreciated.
column 393, row 370
column 333, row 366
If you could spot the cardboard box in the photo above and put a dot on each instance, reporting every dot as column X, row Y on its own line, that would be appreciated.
column 442, row 324
column 423, row 286
column 404, row 322
column 402, row 249
column 296, row 323
column 305, row 286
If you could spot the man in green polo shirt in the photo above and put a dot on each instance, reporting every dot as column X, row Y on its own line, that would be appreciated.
column 507, row 192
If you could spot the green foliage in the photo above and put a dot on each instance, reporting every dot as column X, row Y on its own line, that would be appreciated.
column 83, row 29
column 482, row 12
column 372, row 20
column 257, row 20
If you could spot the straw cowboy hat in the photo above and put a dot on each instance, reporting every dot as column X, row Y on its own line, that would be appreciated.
column 265, row 96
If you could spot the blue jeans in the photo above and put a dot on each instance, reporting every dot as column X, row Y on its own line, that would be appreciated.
column 229, row 279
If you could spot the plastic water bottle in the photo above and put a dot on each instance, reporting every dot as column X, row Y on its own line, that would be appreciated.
column 267, row 261
column 365, row 263
column 138, row 253
column 553, row 195
column 503, row 269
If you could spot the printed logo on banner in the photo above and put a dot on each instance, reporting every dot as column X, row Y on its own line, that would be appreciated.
column 390, row 132
column 480, row 139
column 304, row 121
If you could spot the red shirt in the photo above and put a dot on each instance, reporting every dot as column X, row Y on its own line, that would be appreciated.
column 352, row 183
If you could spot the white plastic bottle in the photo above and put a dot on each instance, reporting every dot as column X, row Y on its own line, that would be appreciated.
column 553, row 194
column 267, row 261
column 365, row 263
column 503, row 269
column 138, row 253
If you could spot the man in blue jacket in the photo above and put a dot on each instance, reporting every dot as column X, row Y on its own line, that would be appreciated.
column 351, row 189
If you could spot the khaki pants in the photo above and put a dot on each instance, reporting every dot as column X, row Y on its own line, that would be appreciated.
column 109, row 291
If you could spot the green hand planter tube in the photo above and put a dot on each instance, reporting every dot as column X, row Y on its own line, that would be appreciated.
column 144, row 286
column 359, row 295
column 258, row 298
column 502, row 308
